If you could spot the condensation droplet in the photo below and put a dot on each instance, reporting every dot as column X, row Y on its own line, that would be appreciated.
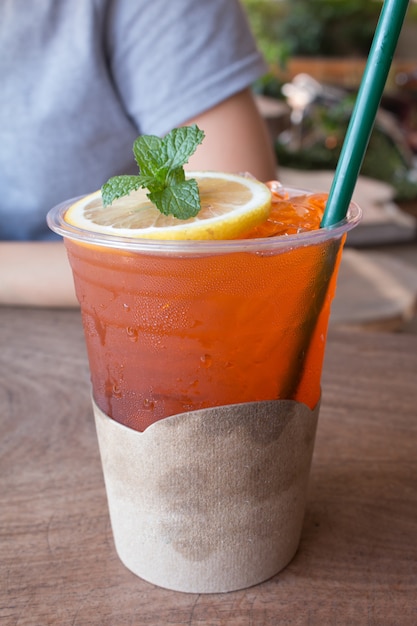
column 132, row 333
column 116, row 391
column 206, row 360
column 148, row 404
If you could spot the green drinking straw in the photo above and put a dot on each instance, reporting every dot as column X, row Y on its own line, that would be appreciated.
column 365, row 110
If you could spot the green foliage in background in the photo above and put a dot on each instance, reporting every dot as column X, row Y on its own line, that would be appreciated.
column 312, row 27
column 265, row 18
column 330, row 27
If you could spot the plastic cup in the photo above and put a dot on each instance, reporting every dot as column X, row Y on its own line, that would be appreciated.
column 205, row 360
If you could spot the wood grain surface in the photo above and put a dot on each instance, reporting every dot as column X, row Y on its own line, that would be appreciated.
column 357, row 562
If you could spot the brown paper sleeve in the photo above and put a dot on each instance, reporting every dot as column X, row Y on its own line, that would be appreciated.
column 211, row 500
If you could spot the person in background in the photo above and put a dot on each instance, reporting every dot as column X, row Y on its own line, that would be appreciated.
column 80, row 81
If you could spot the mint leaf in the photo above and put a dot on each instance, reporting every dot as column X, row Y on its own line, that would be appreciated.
column 161, row 171
column 175, row 177
column 148, row 154
column 181, row 143
column 181, row 200
column 119, row 186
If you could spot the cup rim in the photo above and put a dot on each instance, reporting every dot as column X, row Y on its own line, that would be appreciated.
column 56, row 222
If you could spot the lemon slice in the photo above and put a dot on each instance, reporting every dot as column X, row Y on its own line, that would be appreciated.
column 230, row 206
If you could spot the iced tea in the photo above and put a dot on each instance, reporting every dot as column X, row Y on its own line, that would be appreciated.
column 173, row 327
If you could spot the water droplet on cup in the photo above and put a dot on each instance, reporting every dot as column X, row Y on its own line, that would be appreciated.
column 132, row 333
column 116, row 391
column 206, row 360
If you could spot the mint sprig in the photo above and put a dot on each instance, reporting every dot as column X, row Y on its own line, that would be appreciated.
column 161, row 171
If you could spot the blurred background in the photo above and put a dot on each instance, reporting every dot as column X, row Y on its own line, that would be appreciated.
column 328, row 42
column 316, row 52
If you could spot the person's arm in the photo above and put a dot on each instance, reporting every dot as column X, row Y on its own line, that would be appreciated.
column 236, row 139
column 38, row 273
column 35, row 274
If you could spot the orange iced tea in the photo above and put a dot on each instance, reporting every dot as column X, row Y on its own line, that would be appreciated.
column 177, row 326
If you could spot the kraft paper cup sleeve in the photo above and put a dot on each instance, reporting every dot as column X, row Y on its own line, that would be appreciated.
column 212, row 500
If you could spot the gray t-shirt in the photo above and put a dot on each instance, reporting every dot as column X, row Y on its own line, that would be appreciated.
column 81, row 79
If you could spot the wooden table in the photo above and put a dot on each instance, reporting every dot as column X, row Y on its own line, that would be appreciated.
column 357, row 562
